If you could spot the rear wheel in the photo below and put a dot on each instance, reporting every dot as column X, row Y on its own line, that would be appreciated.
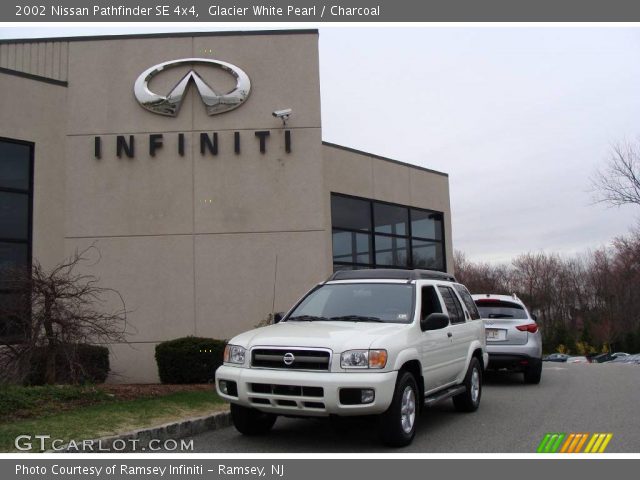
column 533, row 373
column 469, row 400
column 398, row 423
column 250, row 421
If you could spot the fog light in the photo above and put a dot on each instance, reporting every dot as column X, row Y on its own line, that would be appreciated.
column 367, row 395
column 224, row 387
column 228, row 387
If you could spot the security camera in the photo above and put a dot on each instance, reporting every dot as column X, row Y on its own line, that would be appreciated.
column 284, row 113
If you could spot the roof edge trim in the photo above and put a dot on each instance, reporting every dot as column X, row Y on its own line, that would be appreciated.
column 129, row 36
column 386, row 159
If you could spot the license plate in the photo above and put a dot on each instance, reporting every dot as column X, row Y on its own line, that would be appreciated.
column 495, row 334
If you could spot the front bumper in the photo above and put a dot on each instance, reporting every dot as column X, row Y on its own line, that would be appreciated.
column 315, row 394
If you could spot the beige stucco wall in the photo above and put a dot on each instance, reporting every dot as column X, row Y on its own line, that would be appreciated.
column 196, row 244
column 370, row 176
column 28, row 107
column 191, row 241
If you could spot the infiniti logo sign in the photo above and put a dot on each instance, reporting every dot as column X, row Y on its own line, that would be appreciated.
column 215, row 102
column 288, row 358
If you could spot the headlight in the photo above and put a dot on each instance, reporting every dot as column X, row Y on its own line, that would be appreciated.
column 234, row 354
column 363, row 359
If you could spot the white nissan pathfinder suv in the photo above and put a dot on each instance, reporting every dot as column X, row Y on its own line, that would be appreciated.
column 384, row 342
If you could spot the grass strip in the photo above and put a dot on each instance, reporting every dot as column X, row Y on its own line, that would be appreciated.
column 111, row 418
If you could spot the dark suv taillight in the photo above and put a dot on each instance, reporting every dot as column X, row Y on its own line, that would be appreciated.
column 529, row 327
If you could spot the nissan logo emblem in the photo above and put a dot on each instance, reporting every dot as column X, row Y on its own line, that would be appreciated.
column 288, row 358
column 214, row 101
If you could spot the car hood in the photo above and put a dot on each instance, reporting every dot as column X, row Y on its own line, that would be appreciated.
column 337, row 336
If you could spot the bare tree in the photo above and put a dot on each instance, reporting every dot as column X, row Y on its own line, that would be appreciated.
column 52, row 312
column 618, row 182
column 481, row 277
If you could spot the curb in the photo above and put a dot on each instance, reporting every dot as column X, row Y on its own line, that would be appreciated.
column 138, row 440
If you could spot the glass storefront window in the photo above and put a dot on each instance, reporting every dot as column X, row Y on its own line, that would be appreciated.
column 14, row 215
column 16, row 197
column 427, row 254
column 351, row 247
column 426, row 224
column 350, row 213
column 391, row 251
column 391, row 219
column 15, row 165
column 371, row 234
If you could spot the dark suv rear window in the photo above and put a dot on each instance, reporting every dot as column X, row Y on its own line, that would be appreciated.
column 500, row 309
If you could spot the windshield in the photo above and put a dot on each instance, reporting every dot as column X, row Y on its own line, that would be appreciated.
column 500, row 309
column 357, row 302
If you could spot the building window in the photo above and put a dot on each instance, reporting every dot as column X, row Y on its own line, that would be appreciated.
column 16, row 199
column 373, row 234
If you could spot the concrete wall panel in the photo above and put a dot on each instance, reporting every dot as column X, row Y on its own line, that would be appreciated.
column 154, row 275
column 237, row 282
column 102, row 75
column 255, row 192
column 133, row 363
column 123, row 196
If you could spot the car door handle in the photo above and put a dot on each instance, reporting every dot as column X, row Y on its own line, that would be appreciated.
column 449, row 334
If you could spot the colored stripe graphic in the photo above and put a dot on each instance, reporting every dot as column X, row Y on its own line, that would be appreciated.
column 543, row 443
column 567, row 442
column 556, row 442
column 606, row 441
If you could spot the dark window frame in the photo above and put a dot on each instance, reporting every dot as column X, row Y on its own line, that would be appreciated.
column 29, row 240
column 409, row 237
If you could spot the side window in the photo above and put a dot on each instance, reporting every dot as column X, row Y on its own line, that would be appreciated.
column 468, row 301
column 452, row 303
column 430, row 302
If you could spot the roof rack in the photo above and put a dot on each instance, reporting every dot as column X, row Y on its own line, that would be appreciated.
column 390, row 273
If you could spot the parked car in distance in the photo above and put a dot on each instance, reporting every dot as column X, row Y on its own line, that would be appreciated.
column 556, row 357
column 365, row 342
column 626, row 358
column 619, row 354
column 578, row 359
column 514, row 342
column 602, row 358
column 633, row 359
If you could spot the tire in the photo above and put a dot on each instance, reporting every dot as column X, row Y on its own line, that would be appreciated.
column 250, row 421
column 533, row 374
column 398, row 423
column 469, row 400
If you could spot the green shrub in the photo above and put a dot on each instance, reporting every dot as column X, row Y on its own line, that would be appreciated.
column 189, row 359
column 75, row 363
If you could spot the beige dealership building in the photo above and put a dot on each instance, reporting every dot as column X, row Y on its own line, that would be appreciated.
column 209, row 211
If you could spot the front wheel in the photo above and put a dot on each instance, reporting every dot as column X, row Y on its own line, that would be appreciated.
column 398, row 423
column 250, row 421
column 469, row 400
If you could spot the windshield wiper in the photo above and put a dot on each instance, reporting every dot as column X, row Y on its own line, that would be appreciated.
column 500, row 315
column 356, row 318
column 307, row 318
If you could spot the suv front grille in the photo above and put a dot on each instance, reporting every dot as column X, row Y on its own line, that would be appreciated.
column 291, row 359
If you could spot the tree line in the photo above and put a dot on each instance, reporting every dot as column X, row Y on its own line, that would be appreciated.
column 585, row 304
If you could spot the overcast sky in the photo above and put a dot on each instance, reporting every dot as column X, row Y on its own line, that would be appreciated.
column 519, row 118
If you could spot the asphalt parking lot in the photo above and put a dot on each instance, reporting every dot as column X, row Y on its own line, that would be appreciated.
column 513, row 417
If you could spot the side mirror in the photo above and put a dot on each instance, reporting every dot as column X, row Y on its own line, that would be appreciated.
column 277, row 317
column 534, row 317
column 434, row 321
